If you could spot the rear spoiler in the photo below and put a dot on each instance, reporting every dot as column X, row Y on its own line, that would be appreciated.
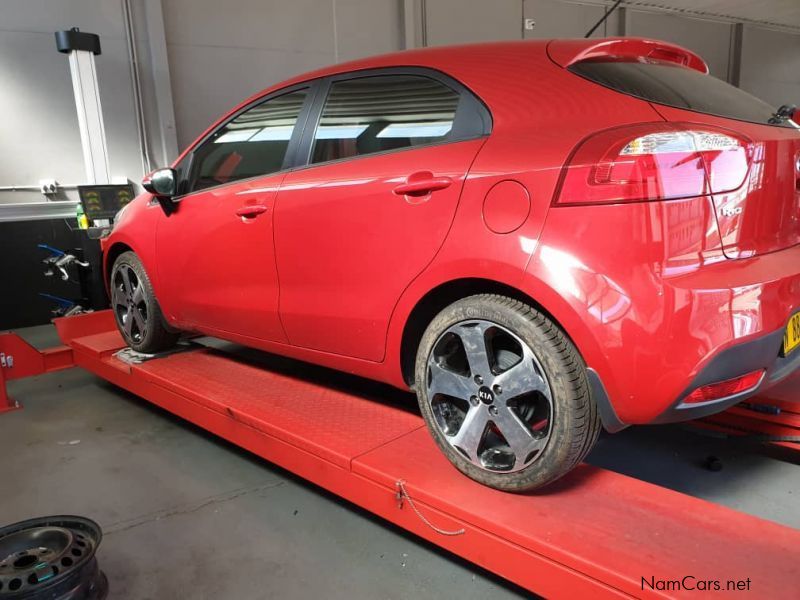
column 568, row 52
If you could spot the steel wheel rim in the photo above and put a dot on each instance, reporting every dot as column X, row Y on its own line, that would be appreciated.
column 489, row 396
column 51, row 557
column 129, row 302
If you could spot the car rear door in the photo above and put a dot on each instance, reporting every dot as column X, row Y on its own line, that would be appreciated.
column 215, row 252
column 388, row 153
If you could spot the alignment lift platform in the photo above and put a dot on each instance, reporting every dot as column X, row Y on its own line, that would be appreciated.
column 595, row 533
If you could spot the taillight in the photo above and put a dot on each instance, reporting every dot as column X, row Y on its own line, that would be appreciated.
column 654, row 161
column 725, row 389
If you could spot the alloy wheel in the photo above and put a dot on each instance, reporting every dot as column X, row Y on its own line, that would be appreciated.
column 130, row 306
column 489, row 395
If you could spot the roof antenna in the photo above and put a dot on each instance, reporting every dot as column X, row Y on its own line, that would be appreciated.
column 603, row 20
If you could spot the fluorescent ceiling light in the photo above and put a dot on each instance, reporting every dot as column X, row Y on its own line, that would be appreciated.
column 339, row 132
column 414, row 130
column 235, row 135
column 279, row 133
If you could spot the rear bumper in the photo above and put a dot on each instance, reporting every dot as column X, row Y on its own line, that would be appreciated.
column 761, row 353
column 656, row 316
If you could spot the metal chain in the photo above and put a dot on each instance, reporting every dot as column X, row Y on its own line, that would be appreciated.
column 403, row 493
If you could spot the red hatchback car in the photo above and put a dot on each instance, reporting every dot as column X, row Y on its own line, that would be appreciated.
column 539, row 238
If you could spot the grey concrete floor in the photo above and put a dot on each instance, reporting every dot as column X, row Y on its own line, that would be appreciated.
column 188, row 515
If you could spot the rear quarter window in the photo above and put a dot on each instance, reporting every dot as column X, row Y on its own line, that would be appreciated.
column 680, row 87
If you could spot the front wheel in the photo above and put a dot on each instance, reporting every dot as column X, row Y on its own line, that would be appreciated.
column 135, row 307
column 504, row 393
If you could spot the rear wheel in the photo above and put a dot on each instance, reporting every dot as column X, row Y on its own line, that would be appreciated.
column 136, row 309
column 504, row 393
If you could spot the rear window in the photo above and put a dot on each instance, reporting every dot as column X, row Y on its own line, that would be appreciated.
column 681, row 87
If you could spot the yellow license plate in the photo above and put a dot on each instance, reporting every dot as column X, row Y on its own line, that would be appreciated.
column 791, row 341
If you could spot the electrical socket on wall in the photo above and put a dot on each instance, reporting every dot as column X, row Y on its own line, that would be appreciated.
column 48, row 186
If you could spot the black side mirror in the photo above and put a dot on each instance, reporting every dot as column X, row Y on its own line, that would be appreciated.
column 163, row 184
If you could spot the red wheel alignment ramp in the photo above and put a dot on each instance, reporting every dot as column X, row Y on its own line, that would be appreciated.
column 595, row 533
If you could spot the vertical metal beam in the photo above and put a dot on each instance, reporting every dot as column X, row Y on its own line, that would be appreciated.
column 335, row 33
column 90, row 116
column 136, row 86
column 735, row 54
column 166, row 145
column 622, row 22
column 414, row 26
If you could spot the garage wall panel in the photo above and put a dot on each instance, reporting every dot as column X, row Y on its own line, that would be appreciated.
column 468, row 21
column 39, row 128
column 367, row 27
column 555, row 19
column 39, row 135
column 46, row 16
column 222, row 52
column 711, row 40
column 771, row 65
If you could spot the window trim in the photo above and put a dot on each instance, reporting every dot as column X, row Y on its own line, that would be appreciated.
column 298, row 153
column 469, row 107
column 288, row 160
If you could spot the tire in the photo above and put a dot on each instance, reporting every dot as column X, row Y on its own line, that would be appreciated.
column 528, row 418
column 136, row 309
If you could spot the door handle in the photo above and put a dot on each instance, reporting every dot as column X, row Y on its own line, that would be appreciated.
column 422, row 186
column 251, row 211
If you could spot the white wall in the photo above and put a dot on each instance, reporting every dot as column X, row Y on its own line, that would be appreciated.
column 222, row 52
column 466, row 21
column 39, row 135
column 771, row 65
column 554, row 19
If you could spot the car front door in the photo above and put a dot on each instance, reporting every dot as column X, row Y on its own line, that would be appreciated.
column 387, row 160
column 215, row 252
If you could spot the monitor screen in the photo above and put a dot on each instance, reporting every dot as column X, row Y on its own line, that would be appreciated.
column 104, row 201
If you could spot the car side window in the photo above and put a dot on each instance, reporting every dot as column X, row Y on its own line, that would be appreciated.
column 253, row 143
column 383, row 112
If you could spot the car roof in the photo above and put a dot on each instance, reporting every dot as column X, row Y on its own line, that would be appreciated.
column 473, row 63
column 442, row 58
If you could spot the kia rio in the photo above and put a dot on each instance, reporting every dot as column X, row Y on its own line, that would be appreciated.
column 539, row 238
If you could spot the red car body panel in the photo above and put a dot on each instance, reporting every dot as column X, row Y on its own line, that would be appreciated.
column 774, row 225
column 222, row 266
column 649, row 292
column 348, row 244
column 568, row 52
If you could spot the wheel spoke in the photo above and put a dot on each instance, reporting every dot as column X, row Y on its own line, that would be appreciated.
column 141, row 322
column 127, row 323
column 126, row 280
column 118, row 297
column 138, row 294
column 470, row 434
column 447, row 382
column 522, row 378
column 521, row 441
column 473, row 337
